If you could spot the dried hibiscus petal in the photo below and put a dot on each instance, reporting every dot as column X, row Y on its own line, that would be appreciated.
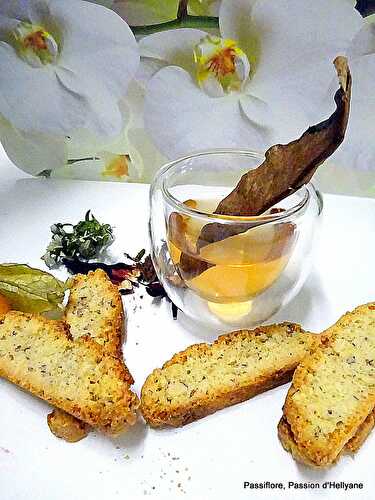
column 117, row 273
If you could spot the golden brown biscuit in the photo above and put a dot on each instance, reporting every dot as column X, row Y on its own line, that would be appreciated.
column 207, row 377
column 77, row 376
column 332, row 395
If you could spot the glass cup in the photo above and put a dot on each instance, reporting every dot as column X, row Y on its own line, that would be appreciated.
column 224, row 271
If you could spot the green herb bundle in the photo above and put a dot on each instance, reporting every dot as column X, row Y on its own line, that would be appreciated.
column 85, row 240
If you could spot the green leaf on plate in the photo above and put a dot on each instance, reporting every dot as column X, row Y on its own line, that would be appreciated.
column 84, row 240
column 30, row 290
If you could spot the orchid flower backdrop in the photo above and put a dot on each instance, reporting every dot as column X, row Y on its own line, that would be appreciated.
column 110, row 90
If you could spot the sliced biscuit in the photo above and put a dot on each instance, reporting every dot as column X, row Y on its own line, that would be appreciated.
column 77, row 376
column 329, row 407
column 95, row 309
column 207, row 377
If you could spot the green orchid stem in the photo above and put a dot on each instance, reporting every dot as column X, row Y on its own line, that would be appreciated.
column 185, row 22
column 76, row 160
column 182, row 11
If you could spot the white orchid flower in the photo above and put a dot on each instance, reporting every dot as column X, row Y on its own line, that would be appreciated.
column 94, row 158
column 115, row 162
column 129, row 157
column 65, row 68
column 358, row 149
column 260, row 82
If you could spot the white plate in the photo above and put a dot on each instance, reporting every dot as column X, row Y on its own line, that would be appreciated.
column 211, row 458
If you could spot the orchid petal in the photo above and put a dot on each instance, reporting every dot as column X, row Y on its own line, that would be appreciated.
column 147, row 159
column 97, row 167
column 32, row 153
column 23, row 10
column 18, row 83
column 326, row 35
column 7, row 25
column 89, row 170
column 298, row 62
column 30, row 11
column 212, row 86
column 98, row 111
column 358, row 149
column 107, row 50
column 235, row 23
column 56, row 108
column 174, row 47
column 84, row 143
column 181, row 118
column 363, row 43
column 298, row 99
column 274, row 127
column 147, row 69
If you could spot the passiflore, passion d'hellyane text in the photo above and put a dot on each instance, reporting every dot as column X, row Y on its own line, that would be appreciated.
column 327, row 485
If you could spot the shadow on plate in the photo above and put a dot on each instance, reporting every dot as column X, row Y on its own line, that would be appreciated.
column 132, row 440
column 302, row 310
column 199, row 332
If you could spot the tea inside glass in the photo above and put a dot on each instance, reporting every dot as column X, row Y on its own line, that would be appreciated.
column 237, row 268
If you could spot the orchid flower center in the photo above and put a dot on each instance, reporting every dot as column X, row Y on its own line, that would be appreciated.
column 116, row 166
column 35, row 45
column 222, row 67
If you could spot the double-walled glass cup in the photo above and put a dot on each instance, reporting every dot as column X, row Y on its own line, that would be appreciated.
column 224, row 271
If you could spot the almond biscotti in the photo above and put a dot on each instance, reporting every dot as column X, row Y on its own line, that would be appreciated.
column 329, row 407
column 94, row 308
column 77, row 376
column 207, row 377
column 352, row 446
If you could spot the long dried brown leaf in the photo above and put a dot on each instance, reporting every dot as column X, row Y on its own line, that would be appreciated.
column 286, row 169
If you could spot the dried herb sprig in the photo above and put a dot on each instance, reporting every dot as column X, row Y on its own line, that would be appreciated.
column 85, row 240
